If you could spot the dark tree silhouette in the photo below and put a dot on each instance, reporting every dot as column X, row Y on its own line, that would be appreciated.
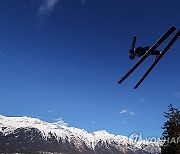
column 171, row 132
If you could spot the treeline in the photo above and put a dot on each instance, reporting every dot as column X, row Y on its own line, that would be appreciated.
column 171, row 134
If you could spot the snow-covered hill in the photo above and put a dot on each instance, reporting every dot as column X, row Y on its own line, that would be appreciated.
column 25, row 134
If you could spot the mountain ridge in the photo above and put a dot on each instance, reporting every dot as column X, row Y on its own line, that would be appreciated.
column 63, row 138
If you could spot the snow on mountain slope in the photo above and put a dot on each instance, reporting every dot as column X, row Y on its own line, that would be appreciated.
column 61, row 131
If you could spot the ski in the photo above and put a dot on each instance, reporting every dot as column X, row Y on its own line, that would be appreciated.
column 158, row 58
column 164, row 37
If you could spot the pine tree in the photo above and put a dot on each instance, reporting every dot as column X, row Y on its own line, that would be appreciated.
column 171, row 132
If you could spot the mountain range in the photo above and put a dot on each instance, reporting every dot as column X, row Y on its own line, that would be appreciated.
column 32, row 135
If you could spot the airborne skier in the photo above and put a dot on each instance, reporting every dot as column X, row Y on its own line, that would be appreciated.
column 144, row 52
column 140, row 51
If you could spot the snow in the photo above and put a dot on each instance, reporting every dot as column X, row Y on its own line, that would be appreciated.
column 61, row 130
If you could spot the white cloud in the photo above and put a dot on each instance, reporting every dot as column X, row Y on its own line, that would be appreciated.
column 131, row 113
column 142, row 100
column 44, row 10
column 177, row 94
column 46, row 7
column 125, row 111
column 52, row 110
column 93, row 122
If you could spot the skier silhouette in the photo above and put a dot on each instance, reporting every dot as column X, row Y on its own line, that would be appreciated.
column 140, row 51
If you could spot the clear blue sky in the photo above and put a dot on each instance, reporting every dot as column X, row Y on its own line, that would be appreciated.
column 63, row 58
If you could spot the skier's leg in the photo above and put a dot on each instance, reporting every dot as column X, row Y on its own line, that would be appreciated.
column 155, row 52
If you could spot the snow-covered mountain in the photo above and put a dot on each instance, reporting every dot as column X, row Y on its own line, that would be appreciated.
column 32, row 135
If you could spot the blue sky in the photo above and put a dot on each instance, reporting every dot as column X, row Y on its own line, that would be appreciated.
column 63, row 58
